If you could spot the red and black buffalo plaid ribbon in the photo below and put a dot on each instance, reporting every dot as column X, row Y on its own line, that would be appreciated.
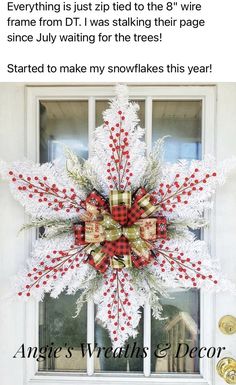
column 102, row 266
column 134, row 214
column 139, row 262
column 119, row 247
column 140, row 194
column 97, row 200
column 119, row 213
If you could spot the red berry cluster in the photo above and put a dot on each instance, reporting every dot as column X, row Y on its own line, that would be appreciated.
column 170, row 195
column 50, row 194
column 118, row 172
column 116, row 310
column 177, row 262
column 55, row 266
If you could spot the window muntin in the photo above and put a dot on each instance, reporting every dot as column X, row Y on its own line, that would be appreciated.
column 66, row 123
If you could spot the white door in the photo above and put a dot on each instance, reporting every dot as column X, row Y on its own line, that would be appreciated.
column 35, row 121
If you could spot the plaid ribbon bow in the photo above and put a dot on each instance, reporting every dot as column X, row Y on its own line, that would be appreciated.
column 122, row 237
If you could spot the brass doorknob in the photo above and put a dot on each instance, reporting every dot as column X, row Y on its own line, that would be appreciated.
column 226, row 368
column 227, row 324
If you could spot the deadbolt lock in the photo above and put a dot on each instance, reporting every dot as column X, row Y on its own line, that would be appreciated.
column 227, row 324
column 226, row 368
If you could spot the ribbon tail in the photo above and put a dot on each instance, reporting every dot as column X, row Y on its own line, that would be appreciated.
column 97, row 258
column 141, row 248
column 121, row 261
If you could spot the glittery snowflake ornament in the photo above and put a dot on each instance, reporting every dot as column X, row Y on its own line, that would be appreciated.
column 117, row 226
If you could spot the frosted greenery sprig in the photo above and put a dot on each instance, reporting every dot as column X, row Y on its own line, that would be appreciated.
column 81, row 172
column 153, row 289
column 93, row 284
column 57, row 223
column 50, row 228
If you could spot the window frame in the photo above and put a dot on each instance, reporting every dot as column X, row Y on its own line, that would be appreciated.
column 207, row 94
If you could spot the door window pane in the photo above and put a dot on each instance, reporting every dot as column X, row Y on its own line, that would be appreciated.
column 58, row 328
column 63, row 123
column 178, row 333
column 181, row 120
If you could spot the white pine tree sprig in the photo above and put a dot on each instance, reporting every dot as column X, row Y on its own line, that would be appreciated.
column 119, row 306
column 186, row 188
column 120, row 137
column 186, row 263
column 55, row 265
column 45, row 191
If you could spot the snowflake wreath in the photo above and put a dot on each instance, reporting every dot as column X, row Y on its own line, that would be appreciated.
column 117, row 226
